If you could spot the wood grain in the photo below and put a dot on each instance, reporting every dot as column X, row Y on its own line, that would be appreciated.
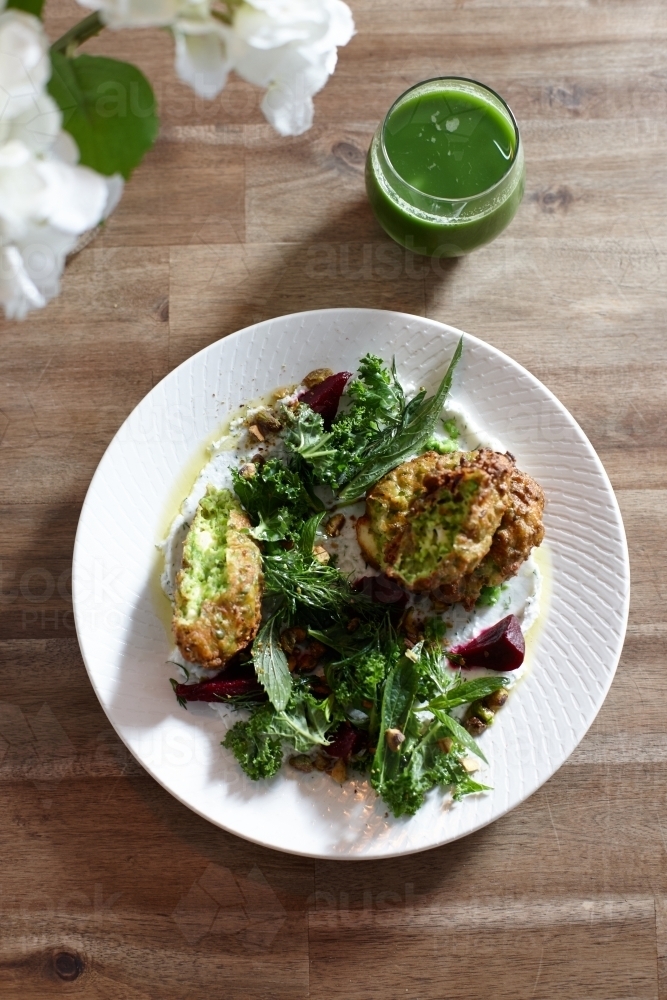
column 109, row 888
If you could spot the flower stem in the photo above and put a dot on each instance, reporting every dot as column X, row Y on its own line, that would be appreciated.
column 78, row 34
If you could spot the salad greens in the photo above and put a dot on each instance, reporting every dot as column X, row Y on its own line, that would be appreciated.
column 378, row 431
column 403, row 704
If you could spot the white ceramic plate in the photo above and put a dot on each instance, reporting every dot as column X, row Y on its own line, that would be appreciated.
column 147, row 470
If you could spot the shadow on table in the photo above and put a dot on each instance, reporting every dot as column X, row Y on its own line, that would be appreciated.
column 348, row 261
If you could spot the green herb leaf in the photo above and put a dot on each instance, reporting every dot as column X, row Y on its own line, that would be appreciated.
column 398, row 446
column 271, row 664
column 398, row 698
column 459, row 734
column 468, row 691
column 304, row 722
column 29, row 6
column 109, row 109
column 489, row 596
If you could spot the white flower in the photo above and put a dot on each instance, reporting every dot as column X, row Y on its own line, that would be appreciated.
column 135, row 13
column 202, row 59
column 290, row 47
column 45, row 204
column 37, row 127
column 24, row 62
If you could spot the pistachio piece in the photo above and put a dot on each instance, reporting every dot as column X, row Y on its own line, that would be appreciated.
column 394, row 738
column 301, row 763
column 496, row 699
column 334, row 525
column 339, row 771
column 316, row 376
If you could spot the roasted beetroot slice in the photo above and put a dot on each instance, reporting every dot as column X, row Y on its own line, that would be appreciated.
column 382, row 590
column 325, row 397
column 217, row 690
column 500, row 647
column 346, row 741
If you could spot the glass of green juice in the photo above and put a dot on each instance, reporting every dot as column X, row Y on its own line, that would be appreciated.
column 445, row 171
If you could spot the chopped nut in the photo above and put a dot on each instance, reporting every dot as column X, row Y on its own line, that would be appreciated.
column 255, row 431
column 353, row 624
column 470, row 764
column 334, row 525
column 321, row 554
column 475, row 726
column 248, row 470
column 478, row 709
column 320, row 763
column 316, row 376
column 267, row 421
column 310, row 657
column 301, row 763
column 412, row 624
column 496, row 699
column 446, row 744
column 394, row 738
column 339, row 771
column 290, row 637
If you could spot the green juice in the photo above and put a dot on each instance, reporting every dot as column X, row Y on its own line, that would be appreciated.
column 445, row 170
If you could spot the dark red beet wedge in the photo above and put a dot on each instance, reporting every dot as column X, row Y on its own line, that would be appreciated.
column 346, row 741
column 325, row 397
column 500, row 647
column 217, row 690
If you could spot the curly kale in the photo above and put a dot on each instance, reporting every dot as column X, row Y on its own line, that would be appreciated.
column 258, row 742
column 378, row 431
column 256, row 748
column 276, row 497
column 376, row 402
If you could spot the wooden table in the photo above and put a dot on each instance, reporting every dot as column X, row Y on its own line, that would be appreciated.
column 109, row 887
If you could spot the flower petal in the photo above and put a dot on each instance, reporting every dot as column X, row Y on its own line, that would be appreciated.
column 18, row 293
column 25, row 66
column 201, row 57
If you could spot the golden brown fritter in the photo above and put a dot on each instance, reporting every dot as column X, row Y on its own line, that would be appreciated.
column 452, row 524
column 388, row 503
column 432, row 520
column 217, row 603
column 521, row 530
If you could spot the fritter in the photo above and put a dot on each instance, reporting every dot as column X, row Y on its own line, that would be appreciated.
column 431, row 521
column 452, row 524
column 217, row 603
column 521, row 530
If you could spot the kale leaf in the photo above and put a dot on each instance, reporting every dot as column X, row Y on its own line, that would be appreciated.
column 257, row 743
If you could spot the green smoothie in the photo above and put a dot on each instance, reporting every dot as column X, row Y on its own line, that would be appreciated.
column 445, row 170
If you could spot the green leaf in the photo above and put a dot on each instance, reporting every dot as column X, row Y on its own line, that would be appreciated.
column 108, row 108
column 271, row 665
column 460, row 734
column 29, row 6
column 304, row 723
column 399, row 694
column 418, row 424
column 468, row 691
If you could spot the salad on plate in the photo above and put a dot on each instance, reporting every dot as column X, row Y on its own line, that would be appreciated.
column 351, row 579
